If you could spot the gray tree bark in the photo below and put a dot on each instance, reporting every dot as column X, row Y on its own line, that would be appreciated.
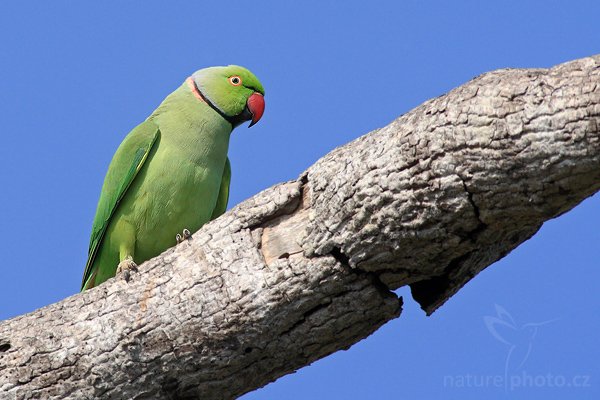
column 307, row 267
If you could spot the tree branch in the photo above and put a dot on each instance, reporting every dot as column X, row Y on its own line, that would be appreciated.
column 305, row 268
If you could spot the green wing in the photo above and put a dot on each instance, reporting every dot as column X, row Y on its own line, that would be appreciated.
column 223, row 198
column 126, row 163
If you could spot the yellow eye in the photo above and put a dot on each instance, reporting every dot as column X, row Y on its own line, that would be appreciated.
column 235, row 80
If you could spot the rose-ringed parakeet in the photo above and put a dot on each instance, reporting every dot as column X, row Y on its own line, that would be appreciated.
column 171, row 174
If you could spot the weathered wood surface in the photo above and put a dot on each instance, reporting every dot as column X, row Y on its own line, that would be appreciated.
column 305, row 268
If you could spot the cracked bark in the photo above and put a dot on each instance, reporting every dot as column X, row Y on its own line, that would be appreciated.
column 306, row 268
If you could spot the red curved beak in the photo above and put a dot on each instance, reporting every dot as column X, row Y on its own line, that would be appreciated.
column 256, row 106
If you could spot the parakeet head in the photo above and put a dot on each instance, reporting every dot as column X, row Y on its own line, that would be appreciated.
column 232, row 91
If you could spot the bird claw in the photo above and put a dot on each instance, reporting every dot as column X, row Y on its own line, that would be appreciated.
column 185, row 235
column 125, row 268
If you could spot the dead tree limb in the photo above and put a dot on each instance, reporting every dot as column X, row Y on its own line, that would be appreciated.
column 305, row 268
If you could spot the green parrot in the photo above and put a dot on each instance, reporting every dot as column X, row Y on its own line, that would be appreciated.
column 171, row 174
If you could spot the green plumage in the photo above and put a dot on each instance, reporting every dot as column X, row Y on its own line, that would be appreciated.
column 171, row 172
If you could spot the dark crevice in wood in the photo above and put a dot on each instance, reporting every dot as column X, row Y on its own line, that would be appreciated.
column 373, row 277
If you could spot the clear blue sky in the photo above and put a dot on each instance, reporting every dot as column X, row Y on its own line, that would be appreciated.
column 75, row 77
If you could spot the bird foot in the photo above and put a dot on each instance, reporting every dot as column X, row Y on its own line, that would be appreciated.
column 125, row 268
column 185, row 235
